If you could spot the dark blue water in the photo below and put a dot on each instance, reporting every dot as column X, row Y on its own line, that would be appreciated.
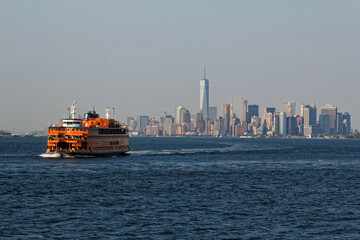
column 186, row 188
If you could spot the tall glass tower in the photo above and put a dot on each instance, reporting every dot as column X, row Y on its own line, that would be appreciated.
column 204, row 96
column 240, row 108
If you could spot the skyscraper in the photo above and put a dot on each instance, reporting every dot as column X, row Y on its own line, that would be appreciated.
column 240, row 108
column 227, row 118
column 219, row 127
column 283, row 123
column 204, row 96
column 213, row 114
column 310, row 127
column 185, row 119
column 347, row 123
column 276, row 124
column 244, row 111
column 269, row 110
column 332, row 111
column 340, row 123
column 302, row 110
column 178, row 111
column 309, row 116
column 199, row 122
column 253, row 110
column 168, row 122
column 289, row 107
column 292, row 126
column 268, row 118
column 142, row 121
column 324, row 123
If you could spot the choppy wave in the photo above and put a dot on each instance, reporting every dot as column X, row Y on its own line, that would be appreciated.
column 5, row 155
column 309, row 189
column 237, row 148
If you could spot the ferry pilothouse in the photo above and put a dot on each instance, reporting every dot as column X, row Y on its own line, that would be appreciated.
column 90, row 135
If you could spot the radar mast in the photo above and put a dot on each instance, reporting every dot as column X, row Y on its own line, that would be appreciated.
column 72, row 110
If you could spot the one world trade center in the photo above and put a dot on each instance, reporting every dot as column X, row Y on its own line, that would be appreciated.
column 204, row 96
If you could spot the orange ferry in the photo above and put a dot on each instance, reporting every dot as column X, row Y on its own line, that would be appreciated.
column 90, row 135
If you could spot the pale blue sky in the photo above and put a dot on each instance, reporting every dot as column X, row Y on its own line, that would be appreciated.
column 146, row 57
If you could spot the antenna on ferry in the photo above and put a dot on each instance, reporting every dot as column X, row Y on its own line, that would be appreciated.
column 72, row 110
column 107, row 114
column 113, row 113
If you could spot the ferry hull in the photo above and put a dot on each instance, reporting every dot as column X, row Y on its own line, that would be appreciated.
column 82, row 155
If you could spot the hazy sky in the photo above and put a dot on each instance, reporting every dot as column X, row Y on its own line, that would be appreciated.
column 146, row 57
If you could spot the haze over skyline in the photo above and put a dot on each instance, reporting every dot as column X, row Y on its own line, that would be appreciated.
column 146, row 57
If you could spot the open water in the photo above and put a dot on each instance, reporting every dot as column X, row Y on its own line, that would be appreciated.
column 184, row 188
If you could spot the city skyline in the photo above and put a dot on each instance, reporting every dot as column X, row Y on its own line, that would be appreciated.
column 282, row 107
column 144, row 58
column 240, row 119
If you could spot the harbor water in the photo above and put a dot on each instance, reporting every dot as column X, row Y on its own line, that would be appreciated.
column 183, row 188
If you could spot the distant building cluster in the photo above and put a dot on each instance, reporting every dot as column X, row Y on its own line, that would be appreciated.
column 240, row 119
